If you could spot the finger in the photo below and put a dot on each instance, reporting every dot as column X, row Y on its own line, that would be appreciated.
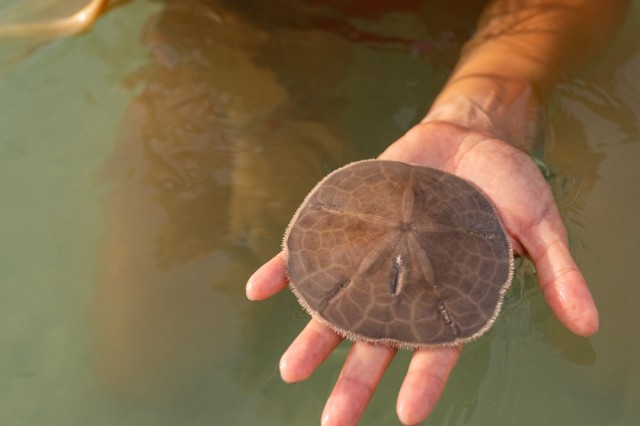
column 562, row 283
column 312, row 346
column 424, row 382
column 269, row 279
column 358, row 379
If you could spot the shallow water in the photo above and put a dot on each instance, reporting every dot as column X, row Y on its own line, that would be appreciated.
column 138, row 192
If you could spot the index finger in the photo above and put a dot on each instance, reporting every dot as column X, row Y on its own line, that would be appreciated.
column 268, row 280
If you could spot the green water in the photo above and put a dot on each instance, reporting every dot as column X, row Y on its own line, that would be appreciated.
column 149, row 165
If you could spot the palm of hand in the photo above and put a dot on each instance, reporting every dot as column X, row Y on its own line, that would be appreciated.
column 521, row 196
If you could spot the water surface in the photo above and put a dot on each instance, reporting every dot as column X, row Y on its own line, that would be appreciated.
column 149, row 165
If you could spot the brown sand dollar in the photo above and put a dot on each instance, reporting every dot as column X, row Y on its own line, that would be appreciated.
column 409, row 256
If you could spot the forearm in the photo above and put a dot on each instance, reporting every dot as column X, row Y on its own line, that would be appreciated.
column 519, row 53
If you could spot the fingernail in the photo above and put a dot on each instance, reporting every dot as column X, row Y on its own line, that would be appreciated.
column 287, row 370
column 249, row 288
column 405, row 415
column 325, row 420
column 284, row 373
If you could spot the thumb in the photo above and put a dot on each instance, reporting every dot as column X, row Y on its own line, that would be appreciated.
column 562, row 283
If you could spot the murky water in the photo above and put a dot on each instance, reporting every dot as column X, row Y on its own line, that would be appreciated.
column 148, row 166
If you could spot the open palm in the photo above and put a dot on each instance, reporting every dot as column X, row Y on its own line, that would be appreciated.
column 526, row 206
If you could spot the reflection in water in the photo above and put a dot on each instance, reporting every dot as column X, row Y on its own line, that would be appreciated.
column 197, row 191
column 214, row 156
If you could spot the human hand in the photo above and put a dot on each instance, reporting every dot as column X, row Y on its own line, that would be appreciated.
column 526, row 206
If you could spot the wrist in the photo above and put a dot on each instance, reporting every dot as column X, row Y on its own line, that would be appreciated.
column 508, row 109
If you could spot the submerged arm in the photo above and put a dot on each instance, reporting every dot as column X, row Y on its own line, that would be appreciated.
column 520, row 51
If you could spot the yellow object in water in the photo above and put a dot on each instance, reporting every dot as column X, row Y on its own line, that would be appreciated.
column 47, row 18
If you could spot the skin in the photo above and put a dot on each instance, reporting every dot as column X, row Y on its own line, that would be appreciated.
column 474, row 129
